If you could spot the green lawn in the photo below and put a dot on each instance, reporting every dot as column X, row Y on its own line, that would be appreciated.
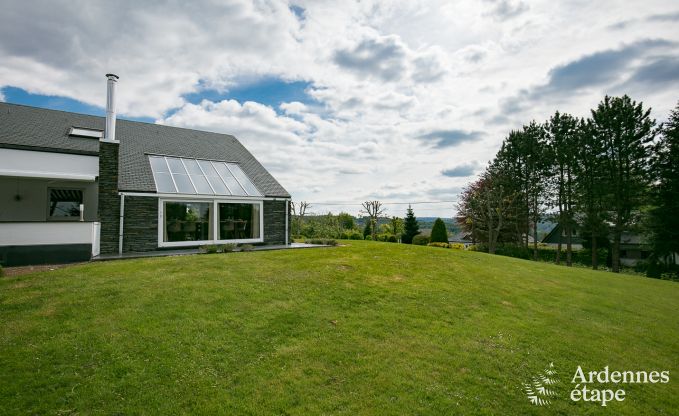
column 368, row 328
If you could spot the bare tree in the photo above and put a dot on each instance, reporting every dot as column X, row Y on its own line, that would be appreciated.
column 298, row 212
column 373, row 209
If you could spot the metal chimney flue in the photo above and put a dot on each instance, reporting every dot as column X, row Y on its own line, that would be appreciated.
column 110, row 132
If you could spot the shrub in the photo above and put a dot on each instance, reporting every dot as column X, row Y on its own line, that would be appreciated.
column 548, row 254
column 368, row 238
column 438, row 232
column 392, row 239
column 210, row 249
column 323, row 241
column 382, row 237
column 227, row 248
column 2, row 272
column 344, row 236
column 356, row 235
column 438, row 244
column 457, row 246
column 421, row 240
column 247, row 247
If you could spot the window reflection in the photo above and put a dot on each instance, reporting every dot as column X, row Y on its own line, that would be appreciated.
column 238, row 221
column 187, row 221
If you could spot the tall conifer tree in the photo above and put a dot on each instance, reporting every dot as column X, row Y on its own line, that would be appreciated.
column 664, row 218
column 626, row 130
column 411, row 227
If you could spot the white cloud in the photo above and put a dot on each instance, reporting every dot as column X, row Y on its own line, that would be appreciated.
column 385, row 76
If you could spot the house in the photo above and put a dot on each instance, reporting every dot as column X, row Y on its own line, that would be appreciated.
column 559, row 234
column 75, row 186
column 633, row 246
column 460, row 238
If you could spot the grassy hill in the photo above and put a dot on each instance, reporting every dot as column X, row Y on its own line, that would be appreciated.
column 369, row 328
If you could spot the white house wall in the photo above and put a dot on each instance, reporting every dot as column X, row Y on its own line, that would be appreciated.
column 26, row 199
column 37, row 234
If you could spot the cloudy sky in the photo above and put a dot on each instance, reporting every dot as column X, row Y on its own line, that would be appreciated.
column 401, row 101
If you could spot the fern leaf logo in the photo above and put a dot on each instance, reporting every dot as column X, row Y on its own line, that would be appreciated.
column 540, row 391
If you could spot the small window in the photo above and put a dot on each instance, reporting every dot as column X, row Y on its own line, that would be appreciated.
column 65, row 203
column 84, row 132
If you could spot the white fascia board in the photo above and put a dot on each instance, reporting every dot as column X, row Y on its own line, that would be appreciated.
column 46, row 175
column 34, row 164
column 203, row 196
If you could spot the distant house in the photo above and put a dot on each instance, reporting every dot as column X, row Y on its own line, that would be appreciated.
column 559, row 234
column 460, row 238
column 74, row 186
column 633, row 246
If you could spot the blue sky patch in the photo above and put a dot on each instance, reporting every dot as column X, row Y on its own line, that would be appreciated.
column 19, row 96
column 267, row 91
column 297, row 11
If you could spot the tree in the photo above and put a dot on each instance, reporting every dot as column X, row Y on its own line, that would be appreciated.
column 410, row 227
column 396, row 226
column 510, row 162
column 532, row 148
column 590, row 190
column 298, row 212
column 346, row 221
column 626, row 129
column 373, row 209
column 368, row 229
column 522, row 165
column 486, row 204
column 439, row 234
column 562, row 141
column 664, row 218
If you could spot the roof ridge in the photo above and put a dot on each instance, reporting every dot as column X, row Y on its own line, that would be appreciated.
column 103, row 117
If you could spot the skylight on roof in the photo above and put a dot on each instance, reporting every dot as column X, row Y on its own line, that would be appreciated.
column 197, row 176
column 84, row 132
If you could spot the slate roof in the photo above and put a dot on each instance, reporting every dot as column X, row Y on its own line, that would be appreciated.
column 460, row 237
column 32, row 128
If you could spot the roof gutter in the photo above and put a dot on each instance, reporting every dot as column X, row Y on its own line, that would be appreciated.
column 204, row 196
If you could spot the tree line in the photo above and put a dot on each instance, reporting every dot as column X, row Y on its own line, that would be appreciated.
column 376, row 225
column 614, row 171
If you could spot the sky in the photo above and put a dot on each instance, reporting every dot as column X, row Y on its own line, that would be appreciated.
column 400, row 101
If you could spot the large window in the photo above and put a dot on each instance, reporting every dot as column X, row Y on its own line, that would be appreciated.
column 197, row 176
column 186, row 223
column 238, row 221
column 64, row 204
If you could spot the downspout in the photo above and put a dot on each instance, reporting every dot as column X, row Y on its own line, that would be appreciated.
column 287, row 210
column 122, row 221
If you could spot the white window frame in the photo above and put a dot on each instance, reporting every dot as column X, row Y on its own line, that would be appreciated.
column 49, row 201
column 215, row 223
column 76, row 131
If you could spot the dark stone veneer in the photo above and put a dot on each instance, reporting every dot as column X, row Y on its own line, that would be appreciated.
column 109, row 200
column 140, row 229
column 274, row 222
column 140, row 226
